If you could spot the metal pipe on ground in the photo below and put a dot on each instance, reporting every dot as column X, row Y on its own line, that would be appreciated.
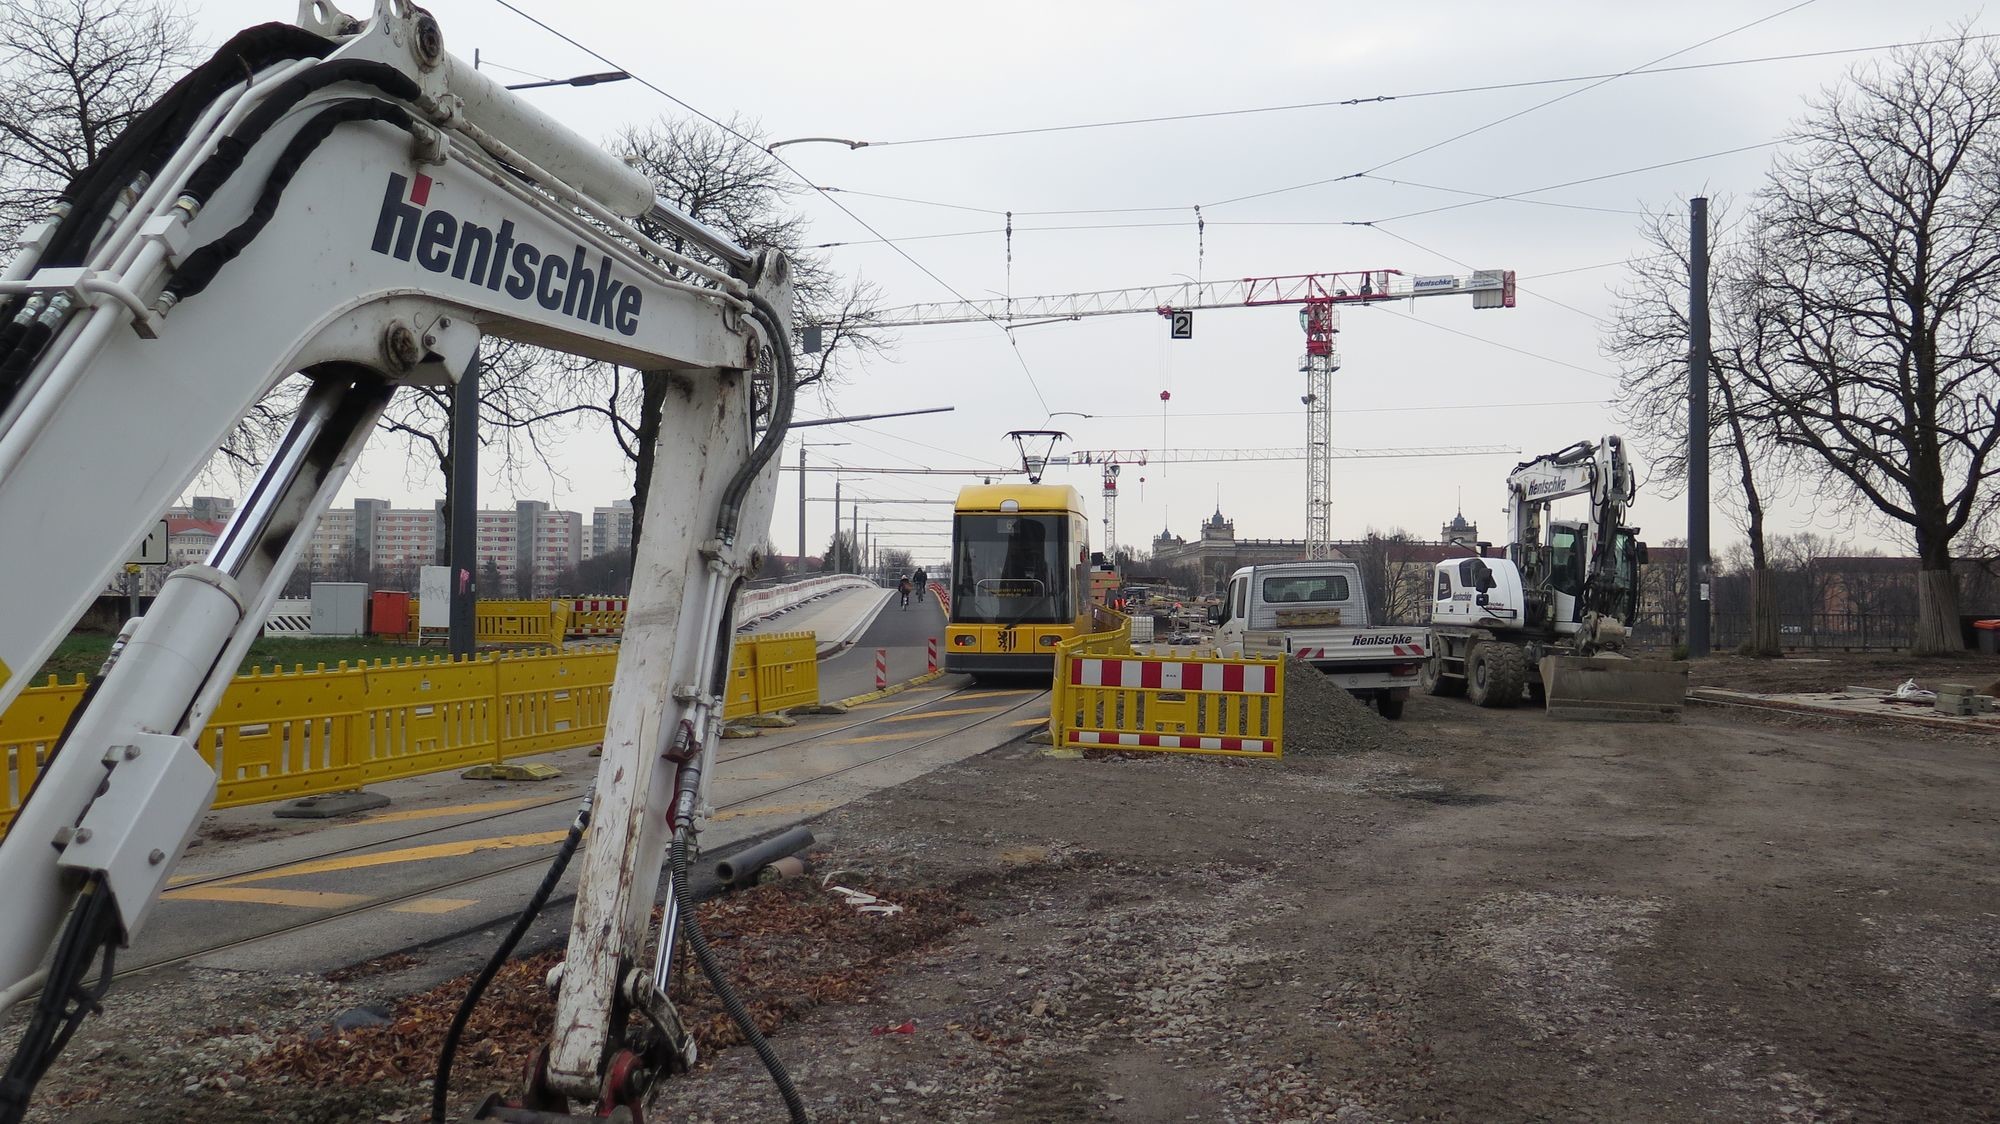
column 742, row 867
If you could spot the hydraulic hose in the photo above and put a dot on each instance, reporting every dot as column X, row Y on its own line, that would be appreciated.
column 231, row 150
column 92, row 926
column 441, row 1084
column 142, row 149
column 677, row 856
column 201, row 267
column 784, row 383
column 146, row 143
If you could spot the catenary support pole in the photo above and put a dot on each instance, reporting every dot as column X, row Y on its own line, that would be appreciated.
column 463, row 550
column 802, row 509
column 1697, row 453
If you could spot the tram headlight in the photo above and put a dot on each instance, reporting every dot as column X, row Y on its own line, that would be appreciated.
column 1049, row 640
column 964, row 640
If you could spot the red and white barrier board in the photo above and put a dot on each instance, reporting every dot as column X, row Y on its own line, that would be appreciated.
column 1175, row 675
column 1103, row 738
column 1171, row 703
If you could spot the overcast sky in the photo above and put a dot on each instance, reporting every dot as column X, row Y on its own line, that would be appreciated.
column 1413, row 374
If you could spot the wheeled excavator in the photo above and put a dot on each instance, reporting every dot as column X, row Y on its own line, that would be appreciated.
column 344, row 201
column 1549, row 618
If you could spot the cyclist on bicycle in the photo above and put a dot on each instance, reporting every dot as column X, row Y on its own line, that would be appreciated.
column 904, row 589
column 917, row 579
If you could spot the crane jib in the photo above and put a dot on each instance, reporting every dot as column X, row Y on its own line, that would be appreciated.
column 440, row 242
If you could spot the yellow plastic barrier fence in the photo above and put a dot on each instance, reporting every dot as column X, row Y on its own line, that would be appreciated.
column 772, row 672
column 1119, row 700
column 538, row 623
column 596, row 616
column 298, row 733
column 1110, row 635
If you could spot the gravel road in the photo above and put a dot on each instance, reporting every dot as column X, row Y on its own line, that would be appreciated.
column 1487, row 917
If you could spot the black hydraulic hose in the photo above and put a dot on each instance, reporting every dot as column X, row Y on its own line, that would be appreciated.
column 146, row 143
column 142, row 148
column 201, row 266
column 92, row 925
column 784, row 383
column 441, row 1084
column 229, row 153
column 705, row 956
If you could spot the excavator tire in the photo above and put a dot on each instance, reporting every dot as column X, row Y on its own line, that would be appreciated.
column 1495, row 673
column 1432, row 681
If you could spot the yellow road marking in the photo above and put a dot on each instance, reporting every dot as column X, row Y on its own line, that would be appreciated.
column 897, row 736
column 994, row 694
column 808, row 808
column 940, row 714
column 894, row 701
column 450, row 810
column 264, row 895
column 403, row 855
column 1029, row 722
column 433, row 905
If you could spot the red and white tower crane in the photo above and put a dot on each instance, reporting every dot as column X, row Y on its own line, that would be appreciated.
column 1319, row 294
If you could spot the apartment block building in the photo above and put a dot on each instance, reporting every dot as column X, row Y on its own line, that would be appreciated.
column 610, row 530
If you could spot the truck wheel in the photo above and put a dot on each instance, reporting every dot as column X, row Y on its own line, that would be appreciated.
column 1389, row 706
column 1432, row 680
column 1495, row 673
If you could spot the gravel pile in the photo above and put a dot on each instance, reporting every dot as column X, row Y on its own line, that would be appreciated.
column 1322, row 720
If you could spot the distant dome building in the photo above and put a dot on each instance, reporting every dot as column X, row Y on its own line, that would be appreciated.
column 1458, row 532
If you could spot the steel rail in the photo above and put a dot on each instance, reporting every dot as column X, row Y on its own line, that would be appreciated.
column 539, row 857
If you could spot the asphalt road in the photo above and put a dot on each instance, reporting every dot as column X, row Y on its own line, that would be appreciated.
column 904, row 632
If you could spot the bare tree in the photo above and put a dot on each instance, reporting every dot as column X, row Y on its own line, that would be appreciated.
column 1878, row 256
column 73, row 74
column 723, row 178
column 1648, row 339
column 1663, row 589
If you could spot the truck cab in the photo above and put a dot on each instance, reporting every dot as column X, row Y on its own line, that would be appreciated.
column 1318, row 611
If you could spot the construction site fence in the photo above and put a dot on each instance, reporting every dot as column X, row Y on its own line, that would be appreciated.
column 521, row 623
column 1108, row 696
column 283, row 735
column 1797, row 632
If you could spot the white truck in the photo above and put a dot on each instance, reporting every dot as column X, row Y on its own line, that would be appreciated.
column 1318, row 611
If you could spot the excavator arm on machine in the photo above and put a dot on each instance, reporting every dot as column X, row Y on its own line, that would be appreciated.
column 344, row 200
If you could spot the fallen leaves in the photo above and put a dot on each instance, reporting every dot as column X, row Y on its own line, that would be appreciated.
column 788, row 947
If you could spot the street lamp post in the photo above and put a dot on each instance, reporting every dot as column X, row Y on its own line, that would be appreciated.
column 776, row 145
column 579, row 80
column 802, row 495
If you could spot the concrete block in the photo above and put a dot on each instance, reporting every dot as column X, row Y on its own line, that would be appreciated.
column 330, row 806
column 511, row 771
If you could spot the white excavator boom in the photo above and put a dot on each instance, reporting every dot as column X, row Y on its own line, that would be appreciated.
column 344, row 201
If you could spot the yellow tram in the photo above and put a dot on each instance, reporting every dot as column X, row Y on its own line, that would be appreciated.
column 1020, row 577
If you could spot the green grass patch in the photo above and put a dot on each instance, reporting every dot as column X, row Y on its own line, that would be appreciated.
column 83, row 653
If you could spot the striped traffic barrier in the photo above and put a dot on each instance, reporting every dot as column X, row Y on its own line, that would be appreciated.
column 881, row 669
column 930, row 652
column 1126, row 701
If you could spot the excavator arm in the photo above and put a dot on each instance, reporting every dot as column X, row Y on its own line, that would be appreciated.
column 346, row 201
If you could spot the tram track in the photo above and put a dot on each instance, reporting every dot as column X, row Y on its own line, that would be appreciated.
column 540, row 854
column 523, row 809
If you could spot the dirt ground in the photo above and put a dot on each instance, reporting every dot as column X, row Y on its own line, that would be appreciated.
column 1498, row 917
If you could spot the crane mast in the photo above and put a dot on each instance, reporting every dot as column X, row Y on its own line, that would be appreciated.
column 1319, row 294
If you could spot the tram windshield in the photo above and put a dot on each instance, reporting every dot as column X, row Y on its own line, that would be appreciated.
column 1009, row 569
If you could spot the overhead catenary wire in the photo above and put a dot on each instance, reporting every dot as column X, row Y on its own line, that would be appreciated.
column 1490, row 343
column 1516, row 115
column 1449, row 91
column 1510, row 197
column 781, row 162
